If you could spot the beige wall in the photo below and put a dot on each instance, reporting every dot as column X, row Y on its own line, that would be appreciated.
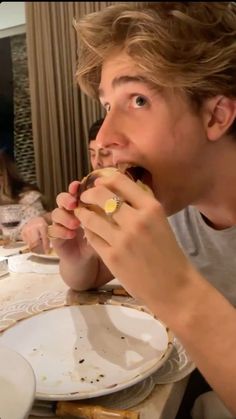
column 12, row 18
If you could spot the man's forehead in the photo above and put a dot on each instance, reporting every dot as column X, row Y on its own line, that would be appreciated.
column 120, row 68
column 124, row 79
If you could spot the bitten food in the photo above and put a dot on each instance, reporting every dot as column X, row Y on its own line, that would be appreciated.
column 88, row 182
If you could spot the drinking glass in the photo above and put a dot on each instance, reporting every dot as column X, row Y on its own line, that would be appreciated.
column 10, row 218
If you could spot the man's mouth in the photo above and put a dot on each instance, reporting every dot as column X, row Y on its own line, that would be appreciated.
column 137, row 173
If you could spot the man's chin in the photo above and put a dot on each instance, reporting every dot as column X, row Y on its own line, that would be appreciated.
column 170, row 205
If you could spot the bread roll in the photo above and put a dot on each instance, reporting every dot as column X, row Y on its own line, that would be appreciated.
column 88, row 182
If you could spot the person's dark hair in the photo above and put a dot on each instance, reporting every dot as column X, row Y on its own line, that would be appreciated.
column 93, row 130
column 13, row 184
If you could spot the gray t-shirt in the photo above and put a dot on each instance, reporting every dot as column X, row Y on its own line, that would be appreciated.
column 212, row 252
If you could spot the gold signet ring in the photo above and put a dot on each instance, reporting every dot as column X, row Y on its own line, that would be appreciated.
column 112, row 205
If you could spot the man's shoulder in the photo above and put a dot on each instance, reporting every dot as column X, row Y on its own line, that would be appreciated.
column 184, row 216
column 186, row 222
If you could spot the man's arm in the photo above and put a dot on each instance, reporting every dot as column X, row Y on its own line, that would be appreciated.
column 89, row 272
column 141, row 250
column 80, row 266
column 205, row 322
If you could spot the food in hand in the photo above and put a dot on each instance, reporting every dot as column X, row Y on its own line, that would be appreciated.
column 88, row 182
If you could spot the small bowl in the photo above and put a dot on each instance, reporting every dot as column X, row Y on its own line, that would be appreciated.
column 17, row 385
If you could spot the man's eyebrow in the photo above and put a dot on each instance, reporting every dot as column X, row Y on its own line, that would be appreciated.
column 117, row 81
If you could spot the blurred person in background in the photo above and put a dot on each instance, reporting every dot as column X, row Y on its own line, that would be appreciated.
column 15, row 190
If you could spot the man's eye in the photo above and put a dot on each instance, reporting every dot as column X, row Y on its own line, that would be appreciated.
column 139, row 101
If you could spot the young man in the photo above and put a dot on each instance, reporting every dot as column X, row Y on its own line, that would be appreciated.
column 165, row 73
column 35, row 232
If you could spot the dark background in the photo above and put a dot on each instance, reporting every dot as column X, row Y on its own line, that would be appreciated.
column 6, row 98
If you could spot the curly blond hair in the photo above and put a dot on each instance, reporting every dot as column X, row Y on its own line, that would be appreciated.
column 188, row 46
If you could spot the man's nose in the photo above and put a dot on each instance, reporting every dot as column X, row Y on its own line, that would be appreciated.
column 111, row 134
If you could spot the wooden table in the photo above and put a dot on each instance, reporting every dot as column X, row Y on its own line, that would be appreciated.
column 164, row 401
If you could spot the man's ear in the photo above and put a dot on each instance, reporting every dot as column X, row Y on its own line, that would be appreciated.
column 219, row 114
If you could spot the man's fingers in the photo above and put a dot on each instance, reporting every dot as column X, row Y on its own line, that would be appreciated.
column 57, row 231
column 132, row 192
column 67, row 201
column 73, row 187
column 65, row 218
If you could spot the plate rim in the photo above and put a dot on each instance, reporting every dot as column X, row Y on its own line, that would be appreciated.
column 44, row 256
column 185, row 369
column 79, row 395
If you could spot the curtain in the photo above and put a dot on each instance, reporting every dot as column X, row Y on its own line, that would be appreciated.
column 61, row 113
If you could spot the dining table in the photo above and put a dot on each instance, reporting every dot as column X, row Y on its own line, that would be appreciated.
column 25, row 292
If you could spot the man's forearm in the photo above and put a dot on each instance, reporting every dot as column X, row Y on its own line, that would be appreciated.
column 205, row 322
column 88, row 273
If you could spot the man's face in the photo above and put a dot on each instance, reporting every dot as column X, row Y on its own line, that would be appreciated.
column 99, row 157
column 156, row 131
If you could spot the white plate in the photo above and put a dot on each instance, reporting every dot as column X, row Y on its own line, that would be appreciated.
column 85, row 351
column 123, row 399
column 12, row 249
column 17, row 385
column 177, row 366
column 44, row 256
column 29, row 263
